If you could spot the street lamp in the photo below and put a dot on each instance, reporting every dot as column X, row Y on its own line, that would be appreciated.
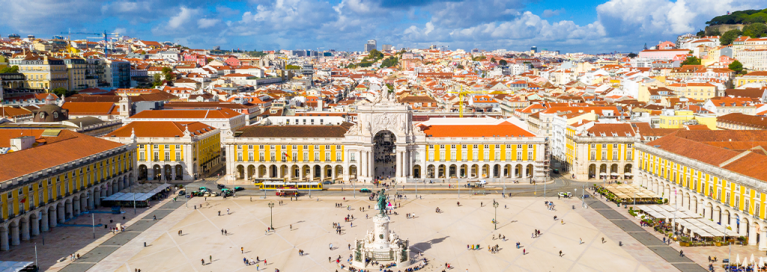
column 271, row 206
column 495, row 219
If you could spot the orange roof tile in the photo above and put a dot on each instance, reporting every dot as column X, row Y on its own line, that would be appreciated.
column 504, row 129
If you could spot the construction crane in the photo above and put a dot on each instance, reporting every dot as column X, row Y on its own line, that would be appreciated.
column 103, row 35
column 461, row 94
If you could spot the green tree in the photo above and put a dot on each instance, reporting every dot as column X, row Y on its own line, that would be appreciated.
column 389, row 62
column 10, row 69
column 479, row 58
column 736, row 66
column 375, row 55
column 503, row 62
column 61, row 91
column 157, row 80
column 168, row 74
column 712, row 31
column 729, row 36
column 492, row 60
column 632, row 55
column 701, row 33
column 691, row 61
column 755, row 30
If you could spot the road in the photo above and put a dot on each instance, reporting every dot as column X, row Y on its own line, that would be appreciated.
column 560, row 184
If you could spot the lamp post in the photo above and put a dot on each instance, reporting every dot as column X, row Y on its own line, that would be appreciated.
column 271, row 206
column 495, row 219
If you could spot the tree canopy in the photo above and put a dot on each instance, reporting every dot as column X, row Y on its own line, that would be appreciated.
column 736, row 66
column 293, row 67
column 741, row 17
column 503, row 62
column 729, row 36
column 755, row 30
column 10, row 69
column 389, row 62
column 61, row 91
column 374, row 55
column 479, row 58
column 691, row 61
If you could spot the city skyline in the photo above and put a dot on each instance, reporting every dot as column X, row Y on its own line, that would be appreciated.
column 589, row 26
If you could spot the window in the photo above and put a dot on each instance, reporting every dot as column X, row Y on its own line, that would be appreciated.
column 519, row 155
column 452, row 155
column 167, row 156
column 530, row 156
column 178, row 156
column 475, row 146
column 272, row 156
column 339, row 156
column 487, row 155
column 167, row 146
column 327, row 156
column 442, row 155
column 261, row 156
column 316, row 156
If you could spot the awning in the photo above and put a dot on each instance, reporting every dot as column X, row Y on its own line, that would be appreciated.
column 139, row 196
column 9, row 266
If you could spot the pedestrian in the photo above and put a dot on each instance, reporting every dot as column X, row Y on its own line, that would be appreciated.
column 524, row 252
column 603, row 240
column 291, row 226
column 219, row 213
column 580, row 241
column 681, row 253
column 222, row 231
column 242, row 250
column 211, row 258
column 226, row 232
column 203, row 261
column 560, row 253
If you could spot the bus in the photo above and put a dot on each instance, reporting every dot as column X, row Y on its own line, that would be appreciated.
column 287, row 192
column 271, row 185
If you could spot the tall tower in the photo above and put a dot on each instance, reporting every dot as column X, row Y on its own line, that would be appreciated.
column 125, row 106
column 370, row 45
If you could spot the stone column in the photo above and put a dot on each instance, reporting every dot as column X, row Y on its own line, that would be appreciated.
column 763, row 239
column 398, row 163
column 83, row 204
column 733, row 223
column 15, row 235
column 752, row 234
column 96, row 197
column 742, row 227
column 69, row 210
column 52, row 217
column 35, row 226
column 4, row 246
column 76, row 204
column 61, row 214
column 24, row 231
column 44, row 218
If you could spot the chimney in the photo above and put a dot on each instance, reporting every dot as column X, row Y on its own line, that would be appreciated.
column 21, row 143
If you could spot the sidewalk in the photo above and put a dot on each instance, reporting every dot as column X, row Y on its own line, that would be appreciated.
column 647, row 237
column 106, row 245
column 698, row 254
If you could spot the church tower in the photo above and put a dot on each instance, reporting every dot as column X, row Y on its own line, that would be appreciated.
column 125, row 106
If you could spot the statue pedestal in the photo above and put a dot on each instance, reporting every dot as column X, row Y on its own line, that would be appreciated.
column 381, row 245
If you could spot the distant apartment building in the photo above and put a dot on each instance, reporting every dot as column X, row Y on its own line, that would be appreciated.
column 370, row 45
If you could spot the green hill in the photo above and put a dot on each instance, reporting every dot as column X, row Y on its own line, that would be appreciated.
column 740, row 17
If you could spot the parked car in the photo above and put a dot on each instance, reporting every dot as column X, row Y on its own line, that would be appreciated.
column 220, row 186
column 182, row 192
column 327, row 182
column 365, row 190
column 238, row 188
column 226, row 192
column 565, row 194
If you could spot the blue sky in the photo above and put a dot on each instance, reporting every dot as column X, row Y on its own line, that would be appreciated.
column 591, row 26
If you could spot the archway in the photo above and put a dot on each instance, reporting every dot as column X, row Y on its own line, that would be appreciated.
column 179, row 172
column 307, row 172
column 295, row 172
column 339, row 174
column 441, row 171
column 240, row 172
column 385, row 160
column 328, row 172
column 518, row 171
column 592, row 171
column 284, row 173
column 452, row 171
column 529, row 172
column 430, row 171
column 273, row 171
column 168, row 172
column 417, row 171
column 317, row 172
column 156, row 172
column 353, row 172
column 142, row 172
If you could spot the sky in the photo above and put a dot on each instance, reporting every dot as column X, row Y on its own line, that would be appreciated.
column 590, row 26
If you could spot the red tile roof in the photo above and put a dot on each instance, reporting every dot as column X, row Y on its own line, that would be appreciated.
column 504, row 129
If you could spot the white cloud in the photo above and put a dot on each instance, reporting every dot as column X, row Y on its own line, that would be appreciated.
column 663, row 17
column 206, row 23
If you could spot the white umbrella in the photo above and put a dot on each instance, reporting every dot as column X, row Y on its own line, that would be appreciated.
column 761, row 262
column 737, row 260
column 752, row 259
